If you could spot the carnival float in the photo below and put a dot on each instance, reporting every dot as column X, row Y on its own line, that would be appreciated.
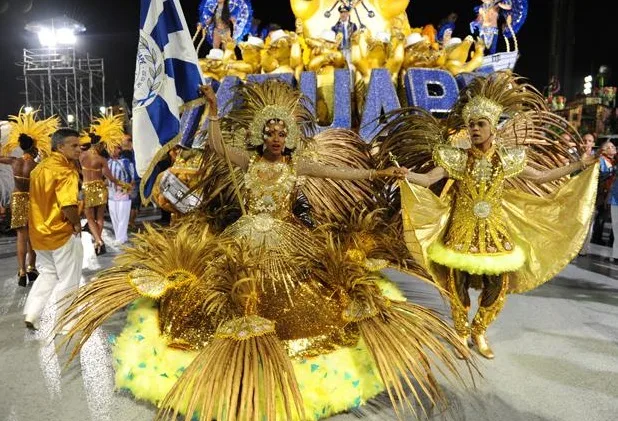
column 353, row 72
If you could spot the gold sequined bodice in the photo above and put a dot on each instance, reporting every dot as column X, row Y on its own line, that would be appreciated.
column 269, row 187
column 477, row 225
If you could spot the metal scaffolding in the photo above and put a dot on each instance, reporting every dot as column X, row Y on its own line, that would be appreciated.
column 58, row 82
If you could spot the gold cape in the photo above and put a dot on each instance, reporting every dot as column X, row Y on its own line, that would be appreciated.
column 550, row 230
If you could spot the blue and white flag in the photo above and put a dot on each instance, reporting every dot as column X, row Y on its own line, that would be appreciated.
column 167, row 75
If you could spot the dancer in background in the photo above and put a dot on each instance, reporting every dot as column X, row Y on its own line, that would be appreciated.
column 105, row 134
column 33, row 137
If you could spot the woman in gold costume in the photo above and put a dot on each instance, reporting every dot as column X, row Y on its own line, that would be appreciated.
column 509, row 218
column 105, row 134
column 266, row 318
column 33, row 137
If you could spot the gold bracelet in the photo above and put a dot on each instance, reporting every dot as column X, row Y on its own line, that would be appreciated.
column 214, row 118
column 372, row 174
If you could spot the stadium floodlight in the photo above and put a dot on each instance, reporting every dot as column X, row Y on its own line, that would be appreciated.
column 103, row 110
column 28, row 109
column 588, row 79
column 70, row 118
column 57, row 31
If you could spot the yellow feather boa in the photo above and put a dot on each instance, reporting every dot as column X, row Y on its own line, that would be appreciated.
column 477, row 264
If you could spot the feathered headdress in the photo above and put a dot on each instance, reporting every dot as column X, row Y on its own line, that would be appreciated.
column 272, row 100
column 27, row 131
column 106, row 130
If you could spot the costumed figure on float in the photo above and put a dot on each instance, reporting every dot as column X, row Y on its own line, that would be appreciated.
column 267, row 302
column 508, row 218
column 221, row 21
column 513, row 14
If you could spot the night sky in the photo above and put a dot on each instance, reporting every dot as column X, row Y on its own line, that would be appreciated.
column 112, row 27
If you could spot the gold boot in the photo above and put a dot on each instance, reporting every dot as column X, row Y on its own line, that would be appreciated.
column 484, row 317
column 482, row 346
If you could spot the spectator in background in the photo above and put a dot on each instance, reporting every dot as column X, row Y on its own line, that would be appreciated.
column 136, row 199
column 588, row 141
column 54, row 225
column 119, row 202
column 607, row 195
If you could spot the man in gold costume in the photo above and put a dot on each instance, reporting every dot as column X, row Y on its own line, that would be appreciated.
column 54, row 225
column 33, row 137
column 105, row 133
column 476, row 234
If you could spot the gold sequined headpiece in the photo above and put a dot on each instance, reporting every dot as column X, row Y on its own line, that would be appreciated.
column 481, row 107
column 274, row 113
column 270, row 101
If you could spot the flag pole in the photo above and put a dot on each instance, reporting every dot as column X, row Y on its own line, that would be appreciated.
column 228, row 161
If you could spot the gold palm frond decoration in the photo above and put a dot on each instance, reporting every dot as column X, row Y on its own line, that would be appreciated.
column 166, row 259
column 334, row 200
column 220, row 206
column 404, row 339
column 92, row 305
column 543, row 133
column 411, row 135
column 376, row 238
column 243, row 373
column 237, row 377
column 408, row 343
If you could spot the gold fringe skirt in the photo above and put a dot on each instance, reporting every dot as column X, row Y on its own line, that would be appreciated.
column 95, row 193
column 20, row 205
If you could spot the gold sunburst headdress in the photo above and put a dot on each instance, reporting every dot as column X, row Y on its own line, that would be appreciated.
column 271, row 101
column 493, row 96
column 26, row 129
column 106, row 130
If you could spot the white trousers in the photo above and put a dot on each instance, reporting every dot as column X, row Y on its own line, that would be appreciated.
column 614, row 212
column 61, row 269
column 120, row 212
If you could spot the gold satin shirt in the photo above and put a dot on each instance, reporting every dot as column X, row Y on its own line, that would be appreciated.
column 54, row 184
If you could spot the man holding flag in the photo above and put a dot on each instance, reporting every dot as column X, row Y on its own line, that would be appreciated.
column 167, row 76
